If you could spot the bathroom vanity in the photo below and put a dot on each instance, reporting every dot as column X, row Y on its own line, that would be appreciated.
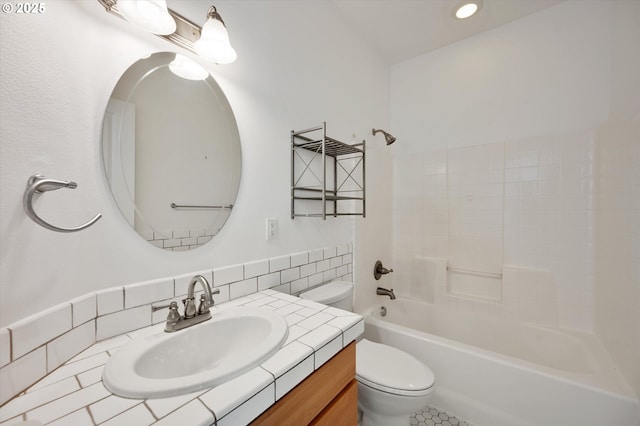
column 310, row 380
column 327, row 397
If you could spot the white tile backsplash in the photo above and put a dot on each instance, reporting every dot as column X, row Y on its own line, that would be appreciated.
column 53, row 336
column 290, row 274
column 83, row 309
column 242, row 288
column 254, row 269
column 40, row 328
column 298, row 259
column 228, row 274
column 317, row 279
column 120, row 322
column 102, row 346
column 330, row 252
column 300, row 285
column 329, row 275
column 110, row 300
column 146, row 292
column 308, row 269
column 22, row 372
column 269, row 281
column 279, row 263
column 323, row 265
column 181, row 282
column 342, row 249
column 63, row 348
column 336, row 261
column 316, row 255
column 74, row 392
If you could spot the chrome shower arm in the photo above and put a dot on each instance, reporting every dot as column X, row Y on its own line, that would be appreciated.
column 387, row 136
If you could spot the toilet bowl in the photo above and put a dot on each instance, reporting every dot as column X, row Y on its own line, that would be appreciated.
column 391, row 383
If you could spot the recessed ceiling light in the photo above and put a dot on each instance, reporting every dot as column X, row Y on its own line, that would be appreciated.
column 467, row 8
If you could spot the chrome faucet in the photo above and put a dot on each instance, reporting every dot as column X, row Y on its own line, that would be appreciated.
column 385, row 292
column 191, row 315
column 205, row 299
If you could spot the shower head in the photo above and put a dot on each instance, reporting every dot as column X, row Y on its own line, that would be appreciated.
column 388, row 137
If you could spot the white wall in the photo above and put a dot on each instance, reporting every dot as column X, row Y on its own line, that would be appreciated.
column 544, row 74
column 58, row 71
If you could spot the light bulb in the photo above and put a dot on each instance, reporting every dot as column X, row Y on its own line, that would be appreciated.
column 213, row 44
column 187, row 69
column 466, row 9
column 150, row 15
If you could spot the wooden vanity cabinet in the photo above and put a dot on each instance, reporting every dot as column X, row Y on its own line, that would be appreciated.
column 329, row 396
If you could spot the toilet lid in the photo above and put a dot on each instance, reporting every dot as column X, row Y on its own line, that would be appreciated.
column 391, row 370
column 329, row 293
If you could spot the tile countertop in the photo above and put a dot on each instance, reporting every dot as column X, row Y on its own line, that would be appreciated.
column 74, row 394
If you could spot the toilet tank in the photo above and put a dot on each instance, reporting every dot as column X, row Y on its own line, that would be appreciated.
column 338, row 294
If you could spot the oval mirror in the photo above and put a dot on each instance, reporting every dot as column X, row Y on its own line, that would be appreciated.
column 171, row 151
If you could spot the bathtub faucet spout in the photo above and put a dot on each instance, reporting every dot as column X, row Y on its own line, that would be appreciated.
column 385, row 292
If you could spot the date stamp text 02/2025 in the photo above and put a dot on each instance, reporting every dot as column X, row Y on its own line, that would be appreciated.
column 24, row 8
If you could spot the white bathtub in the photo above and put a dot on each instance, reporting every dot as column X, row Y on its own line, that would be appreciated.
column 495, row 374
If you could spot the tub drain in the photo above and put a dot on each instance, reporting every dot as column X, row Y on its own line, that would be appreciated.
column 383, row 311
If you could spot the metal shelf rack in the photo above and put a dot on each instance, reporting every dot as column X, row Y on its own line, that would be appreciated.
column 328, row 171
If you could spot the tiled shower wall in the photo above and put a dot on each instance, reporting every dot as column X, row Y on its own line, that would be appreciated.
column 527, row 205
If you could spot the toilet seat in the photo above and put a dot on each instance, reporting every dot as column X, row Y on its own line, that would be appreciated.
column 391, row 370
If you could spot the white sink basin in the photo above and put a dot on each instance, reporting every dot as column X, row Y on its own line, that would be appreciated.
column 199, row 357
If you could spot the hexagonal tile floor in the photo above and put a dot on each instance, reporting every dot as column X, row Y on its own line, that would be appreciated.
column 430, row 416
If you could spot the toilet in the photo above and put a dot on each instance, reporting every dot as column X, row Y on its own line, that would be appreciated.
column 392, row 384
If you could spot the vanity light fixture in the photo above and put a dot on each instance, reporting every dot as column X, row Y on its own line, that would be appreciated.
column 211, row 41
column 149, row 15
column 214, row 40
column 467, row 8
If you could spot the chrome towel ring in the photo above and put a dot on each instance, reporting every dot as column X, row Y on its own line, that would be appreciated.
column 37, row 184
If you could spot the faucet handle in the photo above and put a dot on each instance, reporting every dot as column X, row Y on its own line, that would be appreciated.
column 156, row 307
column 214, row 291
column 203, row 308
column 189, row 307
column 174, row 315
column 379, row 270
